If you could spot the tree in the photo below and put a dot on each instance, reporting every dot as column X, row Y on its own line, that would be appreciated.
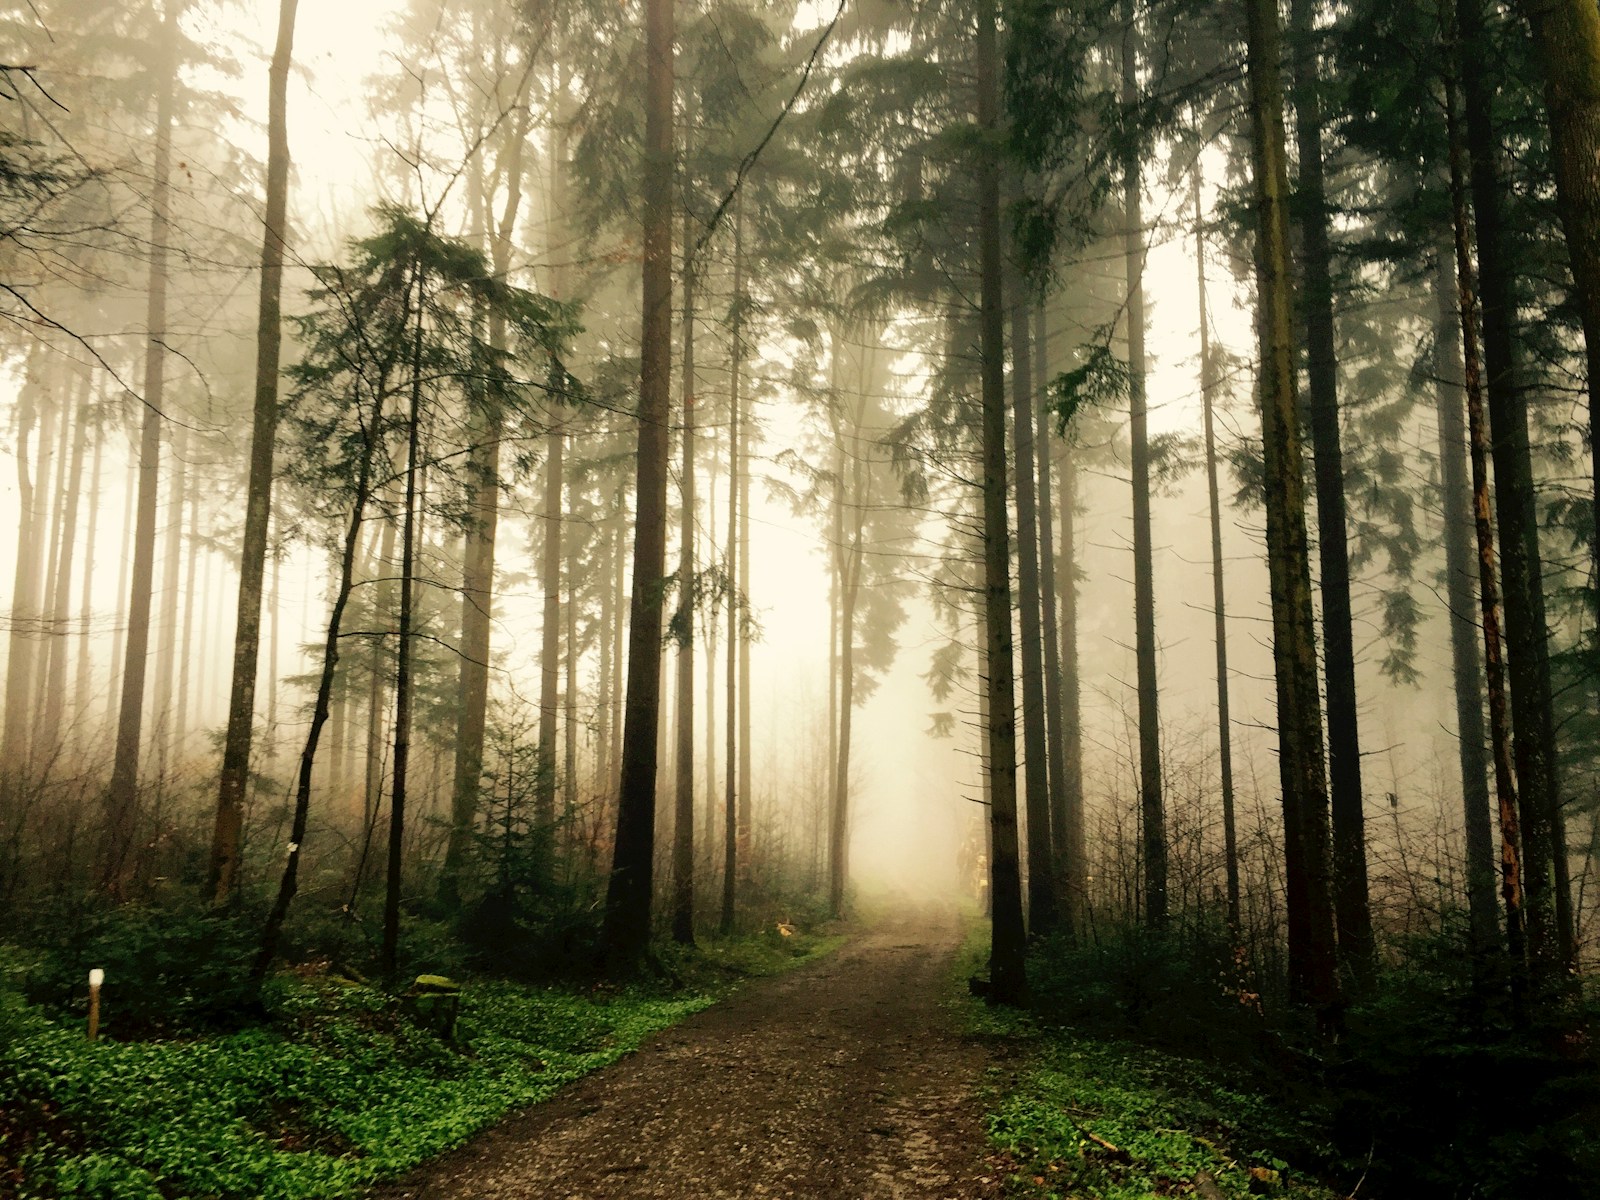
column 627, row 919
column 1055, row 734
column 1313, row 975
column 1152, row 811
column 1043, row 915
column 122, row 794
column 1219, row 610
column 1547, row 904
column 478, row 583
column 735, row 841
column 224, row 871
column 683, row 806
column 395, row 334
column 1007, row 968
column 1567, row 36
column 1464, row 305
column 1352, row 913
column 1460, row 574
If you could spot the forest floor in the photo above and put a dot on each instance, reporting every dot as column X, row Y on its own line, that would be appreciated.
column 847, row 1078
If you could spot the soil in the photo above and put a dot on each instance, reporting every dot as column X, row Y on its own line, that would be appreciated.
column 845, row 1079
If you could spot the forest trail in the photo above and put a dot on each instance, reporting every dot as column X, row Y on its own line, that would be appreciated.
column 845, row 1079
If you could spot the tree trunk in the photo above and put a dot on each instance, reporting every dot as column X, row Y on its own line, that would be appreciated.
column 610, row 604
column 741, row 644
column 1550, row 944
column 550, row 642
column 1313, row 969
column 171, row 567
column 122, row 795
column 1219, row 610
column 627, row 919
column 837, row 636
column 987, row 790
column 384, row 606
column 180, row 716
column 120, row 622
column 573, row 659
column 83, row 685
column 1072, row 844
column 1465, row 305
column 45, row 632
column 288, row 883
column 619, row 630
column 477, row 583
column 1352, row 913
column 53, row 710
column 1042, row 912
column 1054, row 737
column 23, row 640
column 339, row 772
column 223, row 875
column 269, row 747
column 712, row 795
column 1152, row 808
column 1567, row 34
column 683, row 824
column 732, row 849
column 403, row 700
column 849, row 597
column 1007, row 968
column 1460, row 567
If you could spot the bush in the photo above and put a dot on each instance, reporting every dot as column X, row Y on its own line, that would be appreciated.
column 1188, row 989
column 533, row 933
column 1439, row 1083
column 1453, row 1091
column 174, row 966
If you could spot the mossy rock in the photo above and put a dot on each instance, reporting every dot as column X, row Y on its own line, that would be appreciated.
column 433, row 1002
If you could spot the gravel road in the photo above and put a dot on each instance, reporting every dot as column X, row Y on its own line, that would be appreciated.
column 842, row 1080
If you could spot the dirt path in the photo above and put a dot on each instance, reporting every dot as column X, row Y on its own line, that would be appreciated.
column 842, row 1080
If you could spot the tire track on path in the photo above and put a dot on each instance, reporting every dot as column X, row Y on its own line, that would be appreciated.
column 842, row 1080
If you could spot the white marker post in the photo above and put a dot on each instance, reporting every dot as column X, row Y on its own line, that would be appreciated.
column 96, row 978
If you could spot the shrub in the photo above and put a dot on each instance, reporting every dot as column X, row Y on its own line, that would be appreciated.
column 1186, row 988
column 1455, row 1091
column 177, row 965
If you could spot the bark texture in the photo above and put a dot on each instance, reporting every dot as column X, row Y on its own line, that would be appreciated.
column 1466, row 305
column 1567, row 35
column 122, row 795
column 1219, row 606
column 1352, row 912
column 683, row 806
column 1152, row 809
column 1313, row 971
column 1043, row 915
column 1007, row 969
column 1547, row 910
column 223, row 874
column 627, row 919
column 1461, row 569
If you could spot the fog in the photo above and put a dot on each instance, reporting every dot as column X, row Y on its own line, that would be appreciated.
column 418, row 107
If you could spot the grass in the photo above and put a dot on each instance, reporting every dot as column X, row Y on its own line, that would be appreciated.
column 337, row 1090
column 1101, row 1119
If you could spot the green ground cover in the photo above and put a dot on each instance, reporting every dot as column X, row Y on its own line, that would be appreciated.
column 1074, row 1116
column 337, row 1089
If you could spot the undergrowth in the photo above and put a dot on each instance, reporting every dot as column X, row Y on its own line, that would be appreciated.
column 1156, row 1069
column 334, row 1089
column 1103, row 1117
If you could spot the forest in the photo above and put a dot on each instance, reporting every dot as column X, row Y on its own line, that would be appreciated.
column 548, row 532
